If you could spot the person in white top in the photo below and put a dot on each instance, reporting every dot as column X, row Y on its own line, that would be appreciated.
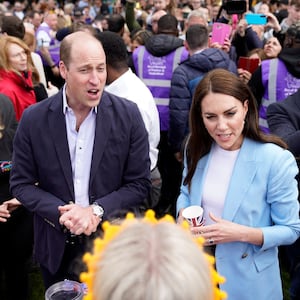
column 245, row 181
column 121, row 81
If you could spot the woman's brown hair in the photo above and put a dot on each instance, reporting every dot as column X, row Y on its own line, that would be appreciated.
column 199, row 142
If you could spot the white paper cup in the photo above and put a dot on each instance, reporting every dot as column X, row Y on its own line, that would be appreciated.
column 194, row 215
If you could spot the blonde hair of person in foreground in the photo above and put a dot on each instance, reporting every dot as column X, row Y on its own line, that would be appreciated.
column 150, row 259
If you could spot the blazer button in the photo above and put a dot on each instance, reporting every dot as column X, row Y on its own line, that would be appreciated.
column 244, row 255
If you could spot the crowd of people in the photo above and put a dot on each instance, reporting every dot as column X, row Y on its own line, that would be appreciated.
column 111, row 107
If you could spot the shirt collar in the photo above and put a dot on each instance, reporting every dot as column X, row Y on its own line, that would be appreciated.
column 65, row 102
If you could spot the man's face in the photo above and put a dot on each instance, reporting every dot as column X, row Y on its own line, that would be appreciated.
column 86, row 74
column 52, row 21
column 36, row 20
column 18, row 6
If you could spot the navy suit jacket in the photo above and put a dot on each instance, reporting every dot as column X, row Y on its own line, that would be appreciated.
column 284, row 120
column 42, row 174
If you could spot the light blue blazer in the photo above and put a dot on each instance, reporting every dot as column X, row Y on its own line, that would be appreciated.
column 262, row 193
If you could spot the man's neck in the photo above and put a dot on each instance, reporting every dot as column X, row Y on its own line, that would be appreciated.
column 113, row 74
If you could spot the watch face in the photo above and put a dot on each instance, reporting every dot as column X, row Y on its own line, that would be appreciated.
column 98, row 211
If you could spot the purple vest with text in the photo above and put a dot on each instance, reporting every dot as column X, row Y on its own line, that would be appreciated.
column 156, row 72
column 278, row 83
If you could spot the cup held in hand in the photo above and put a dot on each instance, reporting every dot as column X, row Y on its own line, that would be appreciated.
column 194, row 215
column 67, row 289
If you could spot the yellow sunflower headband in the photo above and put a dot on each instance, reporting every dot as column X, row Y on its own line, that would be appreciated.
column 111, row 232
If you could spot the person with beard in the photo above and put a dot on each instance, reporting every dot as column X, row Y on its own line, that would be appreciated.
column 276, row 79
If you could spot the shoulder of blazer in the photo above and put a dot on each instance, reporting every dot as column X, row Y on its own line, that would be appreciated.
column 291, row 103
column 258, row 151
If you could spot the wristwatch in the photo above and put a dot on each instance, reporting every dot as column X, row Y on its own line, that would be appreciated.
column 97, row 210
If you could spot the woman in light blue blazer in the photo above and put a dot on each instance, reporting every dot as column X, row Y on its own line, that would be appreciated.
column 245, row 182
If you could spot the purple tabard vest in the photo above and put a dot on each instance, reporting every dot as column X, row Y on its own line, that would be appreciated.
column 278, row 83
column 53, row 48
column 156, row 72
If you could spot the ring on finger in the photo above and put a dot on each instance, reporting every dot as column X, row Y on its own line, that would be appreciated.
column 210, row 241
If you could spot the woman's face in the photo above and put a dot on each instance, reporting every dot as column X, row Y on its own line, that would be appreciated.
column 272, row 47
column 17, row 57
column 160, row 4
column 223, row 116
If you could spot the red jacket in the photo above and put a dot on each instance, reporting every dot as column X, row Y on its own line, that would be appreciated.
column 19, row 89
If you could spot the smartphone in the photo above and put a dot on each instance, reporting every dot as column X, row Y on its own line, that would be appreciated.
column 249, row 64
column 256, row 19
column 220, row 31
column 235, row 6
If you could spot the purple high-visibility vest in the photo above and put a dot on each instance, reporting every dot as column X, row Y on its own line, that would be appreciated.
column 156, row 72
column 53, row 47
column 278, row 83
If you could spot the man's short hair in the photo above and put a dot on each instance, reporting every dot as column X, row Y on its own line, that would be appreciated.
column 13, row 26
column 197, row 36
column 296, row 3
column 167, row 24
column 116, row 23
column 114, row 48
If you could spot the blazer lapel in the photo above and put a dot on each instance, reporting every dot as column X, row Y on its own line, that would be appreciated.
column 58, row 132
column 103, row 126
column 243, row 174
column 197, row 186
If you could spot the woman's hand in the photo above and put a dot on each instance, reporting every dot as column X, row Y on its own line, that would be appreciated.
column 244, row 75
column 180, row 218
column 7, row 207
column 226, row 45
column 241, row 27
column 223, row 231
column 273, row 22
column 4, row 213
column 12, row 204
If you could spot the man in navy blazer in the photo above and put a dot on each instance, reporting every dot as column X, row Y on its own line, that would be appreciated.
column 284, row 120
column 80, row 156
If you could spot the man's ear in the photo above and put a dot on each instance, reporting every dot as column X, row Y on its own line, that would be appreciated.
column 62, row 70
column 186, row 45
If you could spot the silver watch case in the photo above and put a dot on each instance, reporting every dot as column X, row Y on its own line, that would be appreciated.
column 98, row 210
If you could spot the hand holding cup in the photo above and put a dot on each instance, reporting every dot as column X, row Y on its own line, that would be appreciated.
column 194, row 215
